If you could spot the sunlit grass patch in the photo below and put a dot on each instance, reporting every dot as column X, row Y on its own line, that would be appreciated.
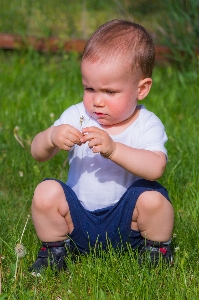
column 35, row 89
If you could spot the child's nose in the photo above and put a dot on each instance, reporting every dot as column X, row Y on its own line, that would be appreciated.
column 98, row 100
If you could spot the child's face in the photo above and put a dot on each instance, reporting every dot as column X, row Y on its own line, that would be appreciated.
column 110, row 91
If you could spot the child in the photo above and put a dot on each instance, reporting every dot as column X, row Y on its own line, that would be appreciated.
column 116, row 153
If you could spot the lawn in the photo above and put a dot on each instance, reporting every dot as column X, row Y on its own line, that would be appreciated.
column 35, row 89
column 76, row 19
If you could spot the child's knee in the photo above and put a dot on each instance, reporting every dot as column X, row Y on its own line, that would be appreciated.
column 155, row 217
column 46, row 193
column 152, row 201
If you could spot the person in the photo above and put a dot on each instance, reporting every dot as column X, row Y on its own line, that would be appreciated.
column 116, row 155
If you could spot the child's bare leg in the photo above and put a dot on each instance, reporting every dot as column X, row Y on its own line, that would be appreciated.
column 153, row 216
column 50, row 212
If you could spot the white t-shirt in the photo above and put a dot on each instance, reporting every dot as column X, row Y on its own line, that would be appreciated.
column 97, row 181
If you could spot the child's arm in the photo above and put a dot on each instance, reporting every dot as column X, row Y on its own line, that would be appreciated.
column 47, row 143
column 143, row 163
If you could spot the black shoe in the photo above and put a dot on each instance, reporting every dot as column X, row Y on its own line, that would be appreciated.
column 51, row 255
column 155, row 253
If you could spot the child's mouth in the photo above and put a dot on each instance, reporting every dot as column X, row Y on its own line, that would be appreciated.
column 98, row 114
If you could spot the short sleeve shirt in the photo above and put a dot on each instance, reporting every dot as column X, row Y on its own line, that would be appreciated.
column 98, row 182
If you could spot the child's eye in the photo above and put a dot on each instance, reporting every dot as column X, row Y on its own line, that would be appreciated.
column 110, row 92
column 89, row 89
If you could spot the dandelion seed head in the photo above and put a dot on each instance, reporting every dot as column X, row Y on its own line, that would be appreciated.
column 20, row 250
column 81, row 120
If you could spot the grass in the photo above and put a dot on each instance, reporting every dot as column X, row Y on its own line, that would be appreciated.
column 35, row 89
column 77, row 19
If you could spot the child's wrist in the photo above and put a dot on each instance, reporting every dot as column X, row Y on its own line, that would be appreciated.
column 50, row 139
column 113, row 152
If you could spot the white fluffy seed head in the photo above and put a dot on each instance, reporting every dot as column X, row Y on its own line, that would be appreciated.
column 20, row 250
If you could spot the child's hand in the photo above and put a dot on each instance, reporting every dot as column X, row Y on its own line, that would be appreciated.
column 98, row 140
column 65, row 136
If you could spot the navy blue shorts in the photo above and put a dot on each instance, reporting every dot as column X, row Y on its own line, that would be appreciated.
column 110, row 225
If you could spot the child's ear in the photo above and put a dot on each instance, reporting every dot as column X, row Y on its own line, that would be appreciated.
column 144, row 87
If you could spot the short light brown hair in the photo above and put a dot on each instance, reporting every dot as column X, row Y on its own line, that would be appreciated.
column 123, row 38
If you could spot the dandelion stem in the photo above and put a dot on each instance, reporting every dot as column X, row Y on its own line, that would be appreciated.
column 24, row 229
column 20, row 250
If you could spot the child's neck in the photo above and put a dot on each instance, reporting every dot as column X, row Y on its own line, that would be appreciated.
column 120, row 127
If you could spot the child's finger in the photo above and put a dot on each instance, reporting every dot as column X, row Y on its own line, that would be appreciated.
column 94, row 142
column 91, row 129
column 96, row 149
column 87, row 137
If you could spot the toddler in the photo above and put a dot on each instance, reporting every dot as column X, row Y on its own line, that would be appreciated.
column 116, row 153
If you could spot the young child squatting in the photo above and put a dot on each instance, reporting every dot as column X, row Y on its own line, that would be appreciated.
column 116, row 153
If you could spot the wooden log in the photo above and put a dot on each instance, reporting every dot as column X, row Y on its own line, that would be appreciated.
column 53, row 44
